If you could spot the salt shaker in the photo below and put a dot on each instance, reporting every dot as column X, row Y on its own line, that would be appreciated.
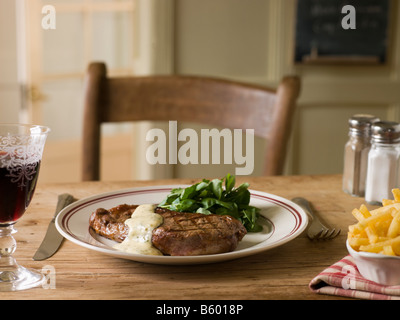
column 383, row 162
column 356, row 154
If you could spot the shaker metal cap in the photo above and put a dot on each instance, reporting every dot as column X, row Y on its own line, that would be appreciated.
column 360, row 121
column 360, row 124
column 386, row 131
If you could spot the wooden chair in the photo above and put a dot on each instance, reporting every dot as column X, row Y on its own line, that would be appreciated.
column 218, row 102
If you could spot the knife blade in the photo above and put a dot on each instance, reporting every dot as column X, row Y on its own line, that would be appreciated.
column 53, row 239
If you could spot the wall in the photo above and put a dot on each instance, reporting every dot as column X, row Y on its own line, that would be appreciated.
column 9, row 89
column 252, row 41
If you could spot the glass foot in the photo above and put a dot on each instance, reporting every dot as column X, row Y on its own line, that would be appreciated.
column 14, row 277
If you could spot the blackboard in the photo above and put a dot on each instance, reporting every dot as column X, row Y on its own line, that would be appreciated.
column 320, row 37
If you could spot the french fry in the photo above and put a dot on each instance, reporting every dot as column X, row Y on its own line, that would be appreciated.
column 358, row 214
column 394, row 228
column 388, row 250
column 396, row 194
column 392, row 208
column 378, row 247
column 382, row 227
column 387, row 202
column 378, row 217
column 357, row 242
column 371, row 233
column 362, row 213
column 396, row 248
column 364, row 210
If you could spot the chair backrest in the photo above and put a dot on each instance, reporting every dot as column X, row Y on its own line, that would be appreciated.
column 201, row 100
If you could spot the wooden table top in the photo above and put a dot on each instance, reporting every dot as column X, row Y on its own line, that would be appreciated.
column 280, row 273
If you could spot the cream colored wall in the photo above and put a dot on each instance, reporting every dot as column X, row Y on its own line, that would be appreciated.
column 9, row 88
column 58, row 58
column 252, row 41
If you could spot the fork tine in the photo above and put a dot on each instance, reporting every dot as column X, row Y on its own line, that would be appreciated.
column 315, row 236
column 316, row 230
column 323, row 234
column 334, row 235
column 329, row 234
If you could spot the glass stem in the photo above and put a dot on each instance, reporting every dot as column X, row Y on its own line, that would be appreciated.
column 7, row 241
column 7, row 248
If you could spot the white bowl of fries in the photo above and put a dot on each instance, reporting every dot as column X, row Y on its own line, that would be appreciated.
column 377, row 267
column 374, row 241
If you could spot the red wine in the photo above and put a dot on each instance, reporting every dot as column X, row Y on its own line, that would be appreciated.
column 17, row 186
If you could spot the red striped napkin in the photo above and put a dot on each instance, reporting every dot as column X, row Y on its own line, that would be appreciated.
column 344, row 279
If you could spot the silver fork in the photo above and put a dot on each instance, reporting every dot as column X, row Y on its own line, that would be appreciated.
column 316, row 230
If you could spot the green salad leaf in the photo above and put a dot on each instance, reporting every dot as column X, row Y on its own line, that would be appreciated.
column 218, row 196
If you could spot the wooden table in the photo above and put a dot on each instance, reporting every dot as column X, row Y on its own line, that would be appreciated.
column 280, row 273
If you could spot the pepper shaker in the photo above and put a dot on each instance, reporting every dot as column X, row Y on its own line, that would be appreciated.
column 356, row 154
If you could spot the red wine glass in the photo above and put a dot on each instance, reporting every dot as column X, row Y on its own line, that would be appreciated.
column 21, row 149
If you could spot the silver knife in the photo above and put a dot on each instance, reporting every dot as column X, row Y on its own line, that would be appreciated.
column 53, row 238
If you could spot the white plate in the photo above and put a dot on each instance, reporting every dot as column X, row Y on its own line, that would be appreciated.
column 282, row 221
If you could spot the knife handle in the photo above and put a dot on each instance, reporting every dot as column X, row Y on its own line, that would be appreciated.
column 64, row 200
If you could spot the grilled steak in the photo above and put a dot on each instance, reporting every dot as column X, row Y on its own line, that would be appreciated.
column 180, row 234
column 190, row 234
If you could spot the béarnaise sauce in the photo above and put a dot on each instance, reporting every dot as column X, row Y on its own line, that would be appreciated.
column 141, row 225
